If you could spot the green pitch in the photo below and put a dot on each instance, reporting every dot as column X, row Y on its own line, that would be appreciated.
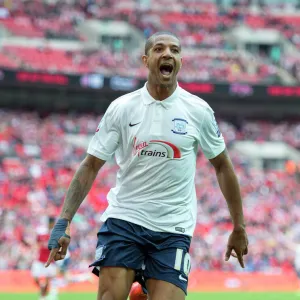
column 191, row 296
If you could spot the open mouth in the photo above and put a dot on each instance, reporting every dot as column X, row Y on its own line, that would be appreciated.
column 166, row 69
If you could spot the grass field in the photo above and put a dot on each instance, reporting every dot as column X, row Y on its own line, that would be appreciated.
column 191, row 296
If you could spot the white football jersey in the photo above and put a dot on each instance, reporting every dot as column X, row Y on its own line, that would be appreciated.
column 155, row 144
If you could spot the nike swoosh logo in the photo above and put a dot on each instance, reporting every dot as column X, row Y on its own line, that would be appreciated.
column 182, row 278
column 131, row 125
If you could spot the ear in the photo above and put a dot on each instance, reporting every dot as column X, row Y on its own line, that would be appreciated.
column 145, row 60
column 181, row 62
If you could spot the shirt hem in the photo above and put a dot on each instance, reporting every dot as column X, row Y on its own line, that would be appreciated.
column 98, row 154
column 105, row 216
column 220, row 150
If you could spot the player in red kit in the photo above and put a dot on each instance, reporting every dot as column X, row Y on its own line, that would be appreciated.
column 41, row 275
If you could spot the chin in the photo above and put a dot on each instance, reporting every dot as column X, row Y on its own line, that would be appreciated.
column 167, row 82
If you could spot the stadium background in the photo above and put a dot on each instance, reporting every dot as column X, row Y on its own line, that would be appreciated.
column 63, row 62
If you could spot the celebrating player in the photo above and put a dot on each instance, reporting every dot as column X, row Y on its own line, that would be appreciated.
column 154, row 134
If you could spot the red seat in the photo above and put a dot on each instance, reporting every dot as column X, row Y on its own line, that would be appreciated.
column 48, row 59
column 7, row 62
column 22, row 27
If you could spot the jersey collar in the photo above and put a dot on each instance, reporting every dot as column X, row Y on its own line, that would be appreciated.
column 166, row 103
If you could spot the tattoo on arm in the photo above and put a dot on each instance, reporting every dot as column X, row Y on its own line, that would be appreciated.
column 230, row 187
column 78, row 189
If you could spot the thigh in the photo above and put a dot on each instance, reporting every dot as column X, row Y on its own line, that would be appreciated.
column 169, row 263
column 162, row 290
column 115, row 283
column 117, row 246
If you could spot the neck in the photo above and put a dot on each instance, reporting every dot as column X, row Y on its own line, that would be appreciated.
column 160, row 92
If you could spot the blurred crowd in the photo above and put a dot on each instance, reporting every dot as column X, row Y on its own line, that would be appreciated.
column 198, row 66
column 199, row 24
column 40, row 153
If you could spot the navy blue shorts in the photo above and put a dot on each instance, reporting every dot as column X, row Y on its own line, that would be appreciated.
column 158, row 255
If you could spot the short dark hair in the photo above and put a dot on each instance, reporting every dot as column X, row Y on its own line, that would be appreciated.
column 150, row 40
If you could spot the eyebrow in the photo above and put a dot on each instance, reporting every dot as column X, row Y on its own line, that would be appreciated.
column 162, row 44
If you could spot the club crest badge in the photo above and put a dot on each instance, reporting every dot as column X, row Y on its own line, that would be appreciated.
column 217, row 130
column 179, row 126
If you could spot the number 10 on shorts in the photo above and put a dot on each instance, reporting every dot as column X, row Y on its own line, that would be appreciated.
column 186, row 261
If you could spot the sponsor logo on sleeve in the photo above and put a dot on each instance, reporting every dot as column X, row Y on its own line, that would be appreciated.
column 98, row 128
column 216, row 127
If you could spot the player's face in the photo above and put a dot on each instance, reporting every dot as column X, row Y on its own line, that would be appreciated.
column 164, row 60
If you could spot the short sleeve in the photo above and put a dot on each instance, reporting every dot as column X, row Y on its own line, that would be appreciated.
column 107, row 136
column 211, row 140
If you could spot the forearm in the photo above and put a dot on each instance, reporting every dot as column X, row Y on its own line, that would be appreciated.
column 230, row 188
column 78, row 189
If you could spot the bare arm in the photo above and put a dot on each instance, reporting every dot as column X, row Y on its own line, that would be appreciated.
column 78, row 189
column 80, row 185
column 238, row 240
column 230, row 187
